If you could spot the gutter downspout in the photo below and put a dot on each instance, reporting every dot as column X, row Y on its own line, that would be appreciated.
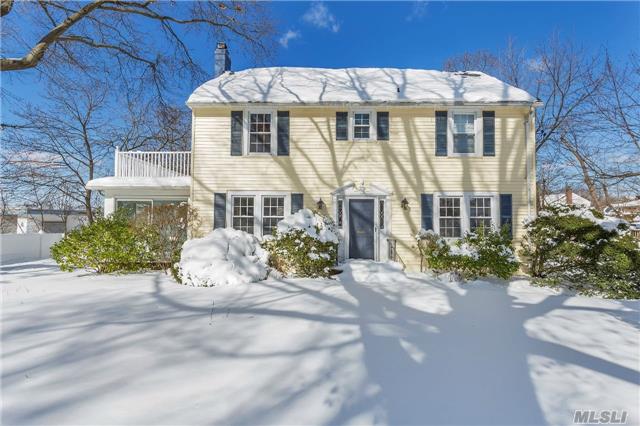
column 528, row 161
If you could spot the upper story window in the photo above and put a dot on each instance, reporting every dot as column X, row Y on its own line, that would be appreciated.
column 464, row 132
column 260, row 132
column 361, row 125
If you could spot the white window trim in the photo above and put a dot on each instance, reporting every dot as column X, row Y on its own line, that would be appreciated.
column 245, row 131
column 257, row 206
column 465, row 209
column 373, row 136
column 477, row 124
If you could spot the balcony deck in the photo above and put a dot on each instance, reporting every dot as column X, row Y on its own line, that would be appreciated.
column 154, row 164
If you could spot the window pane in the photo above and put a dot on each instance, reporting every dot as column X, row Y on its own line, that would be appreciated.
column 243, row 215
column 272, row 213
column 381, row 214
column 450, row 221
column 260, row 133
column 479, row 213
column 464, row 123
column 134, row 209
column 361, row 122
column 464, row 144
column 339, row 213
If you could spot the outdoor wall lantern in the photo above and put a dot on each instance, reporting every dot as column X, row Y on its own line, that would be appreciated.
column 404, row 204
column 320, row 204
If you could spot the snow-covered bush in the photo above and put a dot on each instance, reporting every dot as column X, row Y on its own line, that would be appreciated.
column 582, row 250
column 305, row 244
column 109, row 244
column 224, row 256
column 483, row 253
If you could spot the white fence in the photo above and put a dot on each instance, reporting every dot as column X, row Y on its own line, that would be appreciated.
column 16, row 248
column 152, row 163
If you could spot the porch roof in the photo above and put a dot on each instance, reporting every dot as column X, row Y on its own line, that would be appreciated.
column 118, row 182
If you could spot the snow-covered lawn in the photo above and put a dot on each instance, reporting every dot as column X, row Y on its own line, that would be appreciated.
column 374, row 347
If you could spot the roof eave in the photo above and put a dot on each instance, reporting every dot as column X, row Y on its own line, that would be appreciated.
column 200, row 104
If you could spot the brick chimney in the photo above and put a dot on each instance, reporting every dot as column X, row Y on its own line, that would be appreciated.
column 568, row 195
column 222, row 61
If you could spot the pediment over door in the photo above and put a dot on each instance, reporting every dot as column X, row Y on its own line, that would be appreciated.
column 362, row 188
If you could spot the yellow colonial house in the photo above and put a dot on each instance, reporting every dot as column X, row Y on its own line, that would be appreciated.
column 384, row 151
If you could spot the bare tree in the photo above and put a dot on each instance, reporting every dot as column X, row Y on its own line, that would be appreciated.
column 74, row 32
column 587, row 129
column 69, row 139
column 481, row 60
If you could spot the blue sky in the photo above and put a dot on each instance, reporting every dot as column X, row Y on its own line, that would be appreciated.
column 416, row 34
column 424, row 34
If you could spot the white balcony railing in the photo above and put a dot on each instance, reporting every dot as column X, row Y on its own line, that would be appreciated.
column 152, row 163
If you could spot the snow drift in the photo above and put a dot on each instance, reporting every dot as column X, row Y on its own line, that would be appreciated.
column 224, row 256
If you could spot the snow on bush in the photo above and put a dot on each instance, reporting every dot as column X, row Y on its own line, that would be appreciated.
column 316, row 226
column 224, row 256
column 305, row 244
column 608, row 223
column 582, row 250
column 485, row 252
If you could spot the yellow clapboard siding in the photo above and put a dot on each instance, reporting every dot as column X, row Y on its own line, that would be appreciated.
column 406, row 164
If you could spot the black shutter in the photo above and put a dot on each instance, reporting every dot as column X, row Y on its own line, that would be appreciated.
column 283, row 132
column 382, row 120
column 342, row 126
column 441, row 133
column 219, row 210
column 426, row 208
column 506, row 212
column 489, row 133
column 297, row 202
column 236, row 132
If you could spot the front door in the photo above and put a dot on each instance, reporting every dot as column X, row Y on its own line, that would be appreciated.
column 361, row 229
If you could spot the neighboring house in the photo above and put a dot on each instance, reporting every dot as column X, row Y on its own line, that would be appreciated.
column 383, row 151
column 567, row 198
column 30, row 220
column 627, row 208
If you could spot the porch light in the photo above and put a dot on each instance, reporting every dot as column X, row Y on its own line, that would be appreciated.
column 404, row 204
column 320, row 204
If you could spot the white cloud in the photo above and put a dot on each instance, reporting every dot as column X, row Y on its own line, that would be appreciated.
column 319, row 16
column 287, row 37
column 418, row 10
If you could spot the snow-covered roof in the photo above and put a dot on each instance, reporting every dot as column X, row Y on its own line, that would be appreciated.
column 632, row 203
column 292, row 85
column 561, row 198
column 112, row 182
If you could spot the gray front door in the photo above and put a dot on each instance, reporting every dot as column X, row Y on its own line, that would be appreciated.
column 361, row 229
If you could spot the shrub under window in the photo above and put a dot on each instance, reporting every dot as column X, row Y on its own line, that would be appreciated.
column 305, row 244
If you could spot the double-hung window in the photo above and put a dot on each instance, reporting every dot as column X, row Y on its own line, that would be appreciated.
column 464, row 133
column 272, row 213
column 458, row 213
column 479, row 213
column 260, row 133
column 243, row 215
column 361, row 125
column 450, row 217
